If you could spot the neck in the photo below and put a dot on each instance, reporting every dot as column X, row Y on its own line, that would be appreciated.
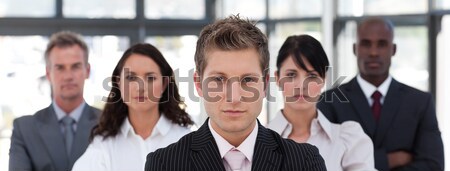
column 375, row 80
column 68, row 105
column 300, row 120
column 143, row 122
column 234, row 138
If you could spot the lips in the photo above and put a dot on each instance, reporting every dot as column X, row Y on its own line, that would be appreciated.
column 69, row 86
column 373, row 64
column 233, row 112
column 140, row 98
column 300, row 96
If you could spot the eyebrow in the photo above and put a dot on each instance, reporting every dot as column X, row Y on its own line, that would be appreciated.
column 291, row 70
column 308, row 71
column 243, row 75
column 383, row 41
column 78, row 63
column 134, row 73
column 251, row 74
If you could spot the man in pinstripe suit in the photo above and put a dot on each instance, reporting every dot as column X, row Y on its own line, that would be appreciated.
column 232, row 61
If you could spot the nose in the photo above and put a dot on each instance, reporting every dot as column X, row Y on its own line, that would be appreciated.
column 233, row 90
column 373, row 51
column 141, row 85
column 68, row 75
column 301, row 83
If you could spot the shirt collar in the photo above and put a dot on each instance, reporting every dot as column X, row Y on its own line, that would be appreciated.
column 322, row 123
column 75, row 114
column 162, row 127
column 247, row 147
column 280, row 124
column 368, row 88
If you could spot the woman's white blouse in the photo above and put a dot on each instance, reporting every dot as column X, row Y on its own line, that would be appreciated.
column 127, row 150
column 343, row 146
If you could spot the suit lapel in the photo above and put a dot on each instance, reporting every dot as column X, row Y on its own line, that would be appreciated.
column 81, row 140
column 388, row 111
column 361, row 105
column 266, row 156
column 51, row 135
column 205, row 154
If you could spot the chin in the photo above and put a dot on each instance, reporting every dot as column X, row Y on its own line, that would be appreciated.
column 140, row 107
column 302, row 105
column 238, row 127
column 70, row 96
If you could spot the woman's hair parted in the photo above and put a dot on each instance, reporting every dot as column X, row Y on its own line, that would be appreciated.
column 304, row 47
column 116, row 111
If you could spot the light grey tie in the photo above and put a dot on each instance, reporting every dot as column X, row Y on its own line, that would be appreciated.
column 68, row 132
column 235, row 159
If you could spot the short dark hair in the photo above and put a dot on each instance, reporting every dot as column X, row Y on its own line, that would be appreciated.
column 65, row 39
column 304, row 47
column 232, row 33
column 116, row 110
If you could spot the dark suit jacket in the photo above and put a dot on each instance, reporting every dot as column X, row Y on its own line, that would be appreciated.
column 38, row 144
column 198, row 151
column 407, row 122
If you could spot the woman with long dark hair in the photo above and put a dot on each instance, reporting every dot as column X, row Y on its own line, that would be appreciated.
column 143, row 112
column 301, row 69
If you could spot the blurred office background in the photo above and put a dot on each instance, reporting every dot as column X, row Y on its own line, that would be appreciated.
column 422, row 34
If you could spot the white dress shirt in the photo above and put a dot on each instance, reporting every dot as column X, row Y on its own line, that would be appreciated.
column 368, row 88
column 343, row 146
column 247, row 147
column 127, row 151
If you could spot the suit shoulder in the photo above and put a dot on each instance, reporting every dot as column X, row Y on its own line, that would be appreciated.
column 345, row 85
column 307, row 154
column 24, row 120
column 290, row 146
column 337, row 91
column 414, row 91
column 181, row 146
column 96, row 111
column 304, row 148
column 27, row 119
column 170, row 156
column 27, row 123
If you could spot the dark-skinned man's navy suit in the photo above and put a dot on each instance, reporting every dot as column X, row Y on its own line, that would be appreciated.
column 407, row 122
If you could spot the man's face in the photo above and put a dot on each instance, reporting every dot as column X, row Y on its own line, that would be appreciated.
column 67, row 71
column 232, row 87
column 374, row 49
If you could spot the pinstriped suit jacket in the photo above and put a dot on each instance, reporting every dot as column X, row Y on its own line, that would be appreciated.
column 198, row 151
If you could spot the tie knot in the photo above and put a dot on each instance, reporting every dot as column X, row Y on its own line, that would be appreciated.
column 67, row 120
column 235, row 159
column 376, row 95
